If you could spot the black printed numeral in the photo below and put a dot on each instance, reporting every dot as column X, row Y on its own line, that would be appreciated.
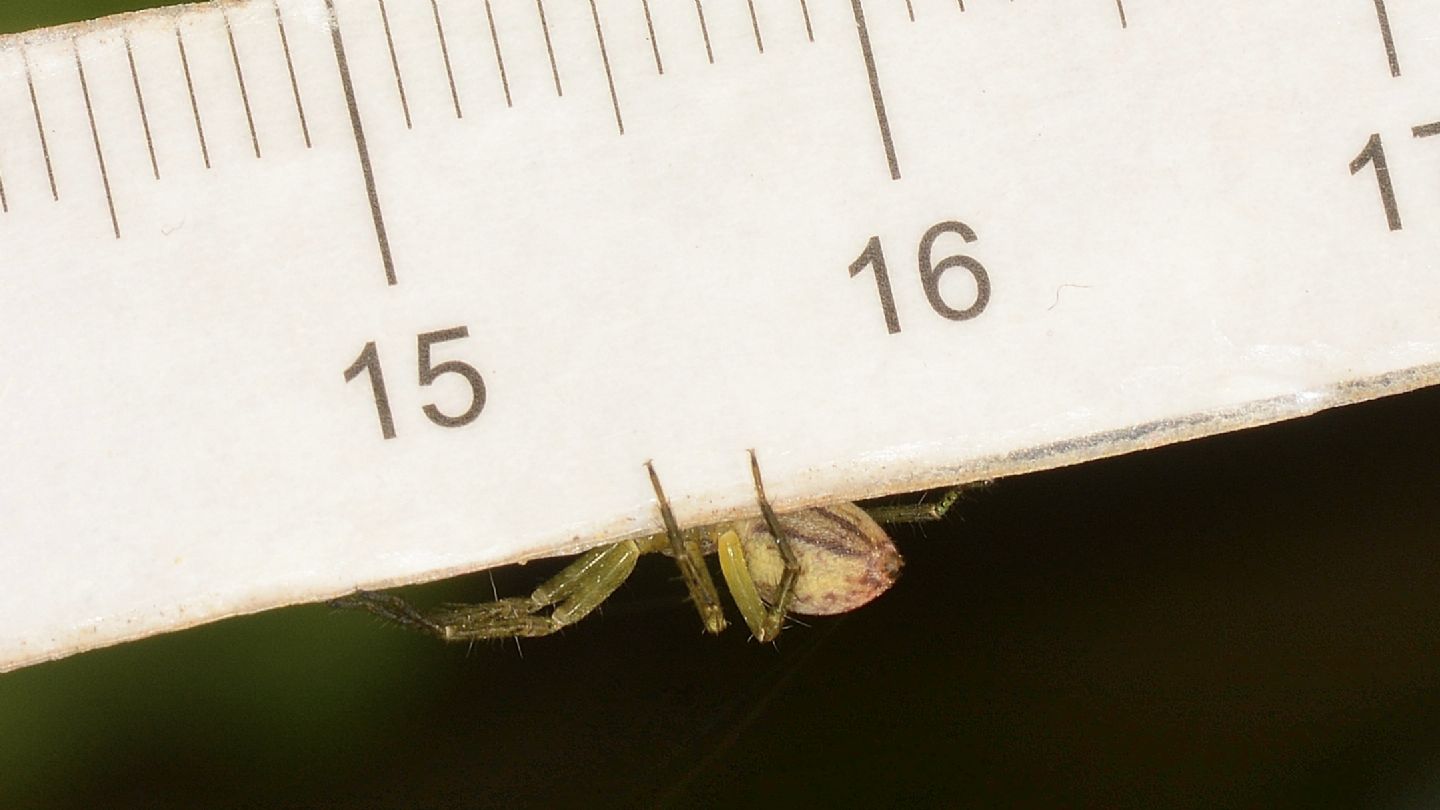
column 873, row 256
column 1373, row 155
column 369, row 360
column 429, row 372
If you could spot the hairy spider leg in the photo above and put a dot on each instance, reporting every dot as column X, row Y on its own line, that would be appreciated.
column 388, row 607
column 922, row 512
column 765, row 621
column 569, row 595
column 585, row 583
column 690, row 559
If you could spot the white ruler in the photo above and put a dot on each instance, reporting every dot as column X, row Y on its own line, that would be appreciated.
column 888, row 244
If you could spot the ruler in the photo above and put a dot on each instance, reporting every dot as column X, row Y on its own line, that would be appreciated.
column 301, row 296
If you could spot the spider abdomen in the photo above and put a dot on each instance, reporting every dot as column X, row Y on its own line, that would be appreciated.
column 846, row 559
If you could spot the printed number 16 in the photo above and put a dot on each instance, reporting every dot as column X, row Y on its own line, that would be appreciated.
column 930, row 273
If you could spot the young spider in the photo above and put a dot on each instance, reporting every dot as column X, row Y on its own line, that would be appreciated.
column 815, row 562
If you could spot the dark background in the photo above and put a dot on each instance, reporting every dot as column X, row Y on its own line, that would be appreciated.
column 1248, row 620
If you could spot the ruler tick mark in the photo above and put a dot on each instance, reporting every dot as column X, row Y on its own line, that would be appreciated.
column 194, row 105
column 140, row 101
column 240, row 79
column 40, row 127
column 347, row 85
column 445, row 56
column 654, row 43
column 1120, row 7
column 880, row 117
column 4, row 203
column 1388, row 38
column 910, row 9
column 805, row 12
column 290, row 66
column 394, row 61
column 499, row 58
column 549, row 49
column 605, row 58
column 755, row 26
column 704, row 31
column 95, row 135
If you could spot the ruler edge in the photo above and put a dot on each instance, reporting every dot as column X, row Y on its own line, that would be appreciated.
column 112, row 22
column 1052, row 455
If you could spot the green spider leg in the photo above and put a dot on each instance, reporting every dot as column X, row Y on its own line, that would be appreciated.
column 765, row 620
column 562, row 600
column 690, row 559
column 922, row 512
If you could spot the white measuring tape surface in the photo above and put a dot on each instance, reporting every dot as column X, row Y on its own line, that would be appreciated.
column 305, row 296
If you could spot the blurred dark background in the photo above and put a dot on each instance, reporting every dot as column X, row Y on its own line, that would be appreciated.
column 1248, row 620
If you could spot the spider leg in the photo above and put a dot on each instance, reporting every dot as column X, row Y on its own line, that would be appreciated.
column 390, row 608
column 691, row 561
column 569, row 596
column 922, row 512
column 765, row 621
column 733, row 565
column 585, row 583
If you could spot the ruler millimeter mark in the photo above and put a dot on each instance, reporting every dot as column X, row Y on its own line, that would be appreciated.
column 290, row 67
column 394, row 60
column 1387, row 37
column 194, row 105
column 95, row 135
column 867, row 50
column 605, row 58
column 140, row 102
column 40, row 127
column 445, row 56
column 549, row 48
column 654, row 43
column 704, row 31
column 347, row 85
column 499, row 57
column 879, row 99
column 755, row 25
column 240, row 79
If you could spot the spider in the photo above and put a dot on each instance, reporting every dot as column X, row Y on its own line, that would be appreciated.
column 816, row 562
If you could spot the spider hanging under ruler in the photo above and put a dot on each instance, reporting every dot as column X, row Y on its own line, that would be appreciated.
column 816, row 562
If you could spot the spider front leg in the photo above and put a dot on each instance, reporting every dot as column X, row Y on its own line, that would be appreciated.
column 765, row 621
column 569, row 596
